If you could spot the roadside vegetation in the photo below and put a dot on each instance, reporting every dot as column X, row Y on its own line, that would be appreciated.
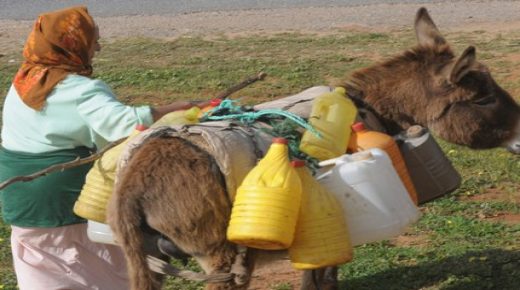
column 469, row 239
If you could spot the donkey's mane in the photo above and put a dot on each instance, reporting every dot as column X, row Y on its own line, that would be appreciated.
column 423, row 58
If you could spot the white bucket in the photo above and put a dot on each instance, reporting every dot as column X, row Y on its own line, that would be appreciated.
column 100, row 233
column 376, row 204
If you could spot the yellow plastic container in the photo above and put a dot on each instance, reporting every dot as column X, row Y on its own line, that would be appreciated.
column 190, row 116
column 332, row 115
column 322, row 238
column 363, row 139
column 266, row 207
column 99, row 183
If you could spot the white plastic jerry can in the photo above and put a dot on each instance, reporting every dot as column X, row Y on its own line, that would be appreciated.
column 376, row 204
column 100, row 233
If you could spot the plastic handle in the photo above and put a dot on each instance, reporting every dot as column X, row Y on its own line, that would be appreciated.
column 328, row 162
column 333, row 161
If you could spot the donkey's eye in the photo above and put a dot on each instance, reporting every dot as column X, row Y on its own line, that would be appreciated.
column 485, row 101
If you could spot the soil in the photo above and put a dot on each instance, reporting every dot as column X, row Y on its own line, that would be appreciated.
column 495, row 194
column 417, row 241
column 449, row 15
column 276, row 273
column 491, row 16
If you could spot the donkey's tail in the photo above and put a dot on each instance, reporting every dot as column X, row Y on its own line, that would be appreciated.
column 126, row 218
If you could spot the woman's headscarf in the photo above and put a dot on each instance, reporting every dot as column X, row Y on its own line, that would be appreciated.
column 59, row 44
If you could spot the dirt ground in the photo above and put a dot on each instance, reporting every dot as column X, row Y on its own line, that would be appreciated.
column 274, row 270
column 449, row 15
column 494, row 16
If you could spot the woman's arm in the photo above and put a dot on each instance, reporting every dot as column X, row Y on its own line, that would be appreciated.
column 110, row 119
column 158, row 112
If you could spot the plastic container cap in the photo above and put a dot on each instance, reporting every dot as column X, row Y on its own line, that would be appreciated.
column 280, row 140
column 215, row 102
column 358, row 127
column 415, row 131
column 297, row 163
column 340, row 90
column 140, row 127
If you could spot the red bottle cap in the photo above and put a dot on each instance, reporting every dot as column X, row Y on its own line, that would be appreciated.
column 297, row 163
column 280, row 140
column 358, row 127
column 140, row 127
column 215, row 102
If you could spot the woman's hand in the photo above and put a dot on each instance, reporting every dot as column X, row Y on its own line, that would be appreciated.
column 158, row 112
column 201, row 104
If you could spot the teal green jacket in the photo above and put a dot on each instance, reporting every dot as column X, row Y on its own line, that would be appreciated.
column 80, row 115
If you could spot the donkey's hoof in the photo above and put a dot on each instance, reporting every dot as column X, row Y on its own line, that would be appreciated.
column 241, row 279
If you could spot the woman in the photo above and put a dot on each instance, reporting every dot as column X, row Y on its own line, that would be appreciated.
column 53, row 113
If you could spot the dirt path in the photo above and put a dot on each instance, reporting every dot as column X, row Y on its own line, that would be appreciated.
column 467, row 15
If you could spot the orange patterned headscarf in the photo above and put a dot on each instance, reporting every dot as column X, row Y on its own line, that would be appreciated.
column 59, row 44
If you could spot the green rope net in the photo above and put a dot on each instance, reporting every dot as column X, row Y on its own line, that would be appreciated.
column 283, row 124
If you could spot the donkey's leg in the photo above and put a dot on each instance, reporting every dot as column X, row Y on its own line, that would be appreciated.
column 151, row 242
column 325, row 278
column 228, row 259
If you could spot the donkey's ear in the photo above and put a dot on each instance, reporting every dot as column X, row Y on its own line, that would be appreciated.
column 425, row 30
column 463, row 65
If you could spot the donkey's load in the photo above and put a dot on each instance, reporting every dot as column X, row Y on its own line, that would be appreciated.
column 373, row 208
column 99, row 183
column 332, row 114
column 364, row 139
column 322, row 237
column 375, row 202
column 267, row 203
column 430, row 170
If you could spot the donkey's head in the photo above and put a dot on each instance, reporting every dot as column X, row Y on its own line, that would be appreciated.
column 455, row 97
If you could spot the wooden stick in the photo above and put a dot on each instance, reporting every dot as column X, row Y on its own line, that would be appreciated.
column 241, row 85
column 62, row 166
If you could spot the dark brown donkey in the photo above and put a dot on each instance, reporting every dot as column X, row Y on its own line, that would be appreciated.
column 174, row 187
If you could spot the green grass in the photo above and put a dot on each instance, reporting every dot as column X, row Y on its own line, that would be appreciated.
column 459, row 243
